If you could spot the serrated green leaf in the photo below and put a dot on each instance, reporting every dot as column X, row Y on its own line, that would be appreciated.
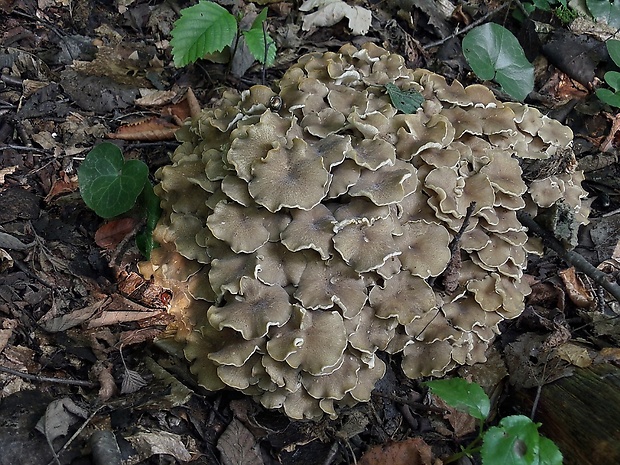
column 203, row 28
column 110, row 185
column 514, row 442
column 407, row 101
column 549, row 454
column 462, row 395
column 605, row 10
column 493, row 52
column 613, row 47
column 609, row 97
column 255, row 40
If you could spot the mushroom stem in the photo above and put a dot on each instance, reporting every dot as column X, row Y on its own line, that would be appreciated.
column 573, row 258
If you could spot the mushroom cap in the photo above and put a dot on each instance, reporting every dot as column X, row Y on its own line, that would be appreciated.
column 301, row 240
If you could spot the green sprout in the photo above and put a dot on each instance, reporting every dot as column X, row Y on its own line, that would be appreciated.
column 111, row 186
column 208, row 28
column 515, row 440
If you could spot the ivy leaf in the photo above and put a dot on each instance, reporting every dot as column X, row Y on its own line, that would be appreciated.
column 515, row 441
column 110, row 185
column 613, row 47
column 609, row 97
column 203, row 28
column 613, row 79
column 462, row 395
column 606, row 10
column 493, row 52
column 407, row 101
column 255, row 40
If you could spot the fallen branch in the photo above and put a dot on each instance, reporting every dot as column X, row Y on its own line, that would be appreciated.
column 573, row 258
column 45, row 379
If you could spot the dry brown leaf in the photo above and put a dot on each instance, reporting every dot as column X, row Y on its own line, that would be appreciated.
column 462, row 422
column 575, row 354
column 70, row 320
column 132, row 381
column 102, row 372
column 161, row 442
column 112, row 317
column 155, row 98
column 6, row 261
column 59, row 416
column 6, row 171
column 610, row 354
column 149, row 129
column 413, row 451
column 576, row 290
column 65, row 185
column 238, row 446
column 109, row 235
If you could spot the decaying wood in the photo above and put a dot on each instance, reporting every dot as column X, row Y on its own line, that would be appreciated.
column 581, row 414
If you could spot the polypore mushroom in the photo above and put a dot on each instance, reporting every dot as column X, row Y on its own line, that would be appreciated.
column 301, row 240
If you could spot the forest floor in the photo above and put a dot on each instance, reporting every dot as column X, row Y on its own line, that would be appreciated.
column 77, row 321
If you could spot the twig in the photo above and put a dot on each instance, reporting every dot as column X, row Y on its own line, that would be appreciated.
column 75, row 435
column 467, row 28
column 573, row 258
column 45, row 379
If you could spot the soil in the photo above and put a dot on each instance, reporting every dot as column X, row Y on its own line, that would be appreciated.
column 86, row 375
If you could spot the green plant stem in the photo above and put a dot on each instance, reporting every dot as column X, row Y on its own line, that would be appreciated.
column 471, row 449
column 234, row 49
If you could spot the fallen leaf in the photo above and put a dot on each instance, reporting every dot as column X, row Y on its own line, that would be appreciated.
column 155, row 98
column 462, row 422
column 132, row 381
column 574, row 354
column 576, row 290
column 63, row 185
column 149, row 129
column 10, row 242
column 109, row 235
column 70, row 320
column 58, row 418
column 413, row 451
column 6, row 262
column 238, row 446
column 6, row 171
column 112, row 318
column 149, row 444
column 331, row 12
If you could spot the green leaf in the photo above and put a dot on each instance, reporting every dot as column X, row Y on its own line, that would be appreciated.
column 613, row 47
column 255, row 40
column 493, row 52
column 462, row 395
column 609, row 97
column 150, row 204
column 407, row 101
column 542, row 5
column 549, row 454
column 605, row 10
column 514, row 442
column 110, row 185
column 203, row 28
column 613, row 79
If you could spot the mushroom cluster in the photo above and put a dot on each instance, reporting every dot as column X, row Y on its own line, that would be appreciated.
column 307, row 229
